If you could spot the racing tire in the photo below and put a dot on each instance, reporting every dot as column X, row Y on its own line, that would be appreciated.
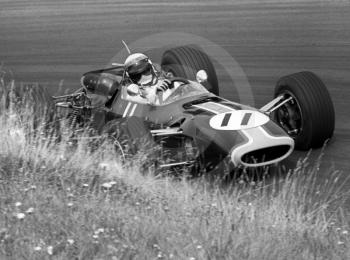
column 310, row 110
column 186, row 61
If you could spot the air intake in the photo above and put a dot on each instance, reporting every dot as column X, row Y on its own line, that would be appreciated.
column 265, row 155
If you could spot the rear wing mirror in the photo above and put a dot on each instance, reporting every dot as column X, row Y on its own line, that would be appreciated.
column 202, row 76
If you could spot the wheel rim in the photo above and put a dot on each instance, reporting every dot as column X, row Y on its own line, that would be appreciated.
column 289, row 116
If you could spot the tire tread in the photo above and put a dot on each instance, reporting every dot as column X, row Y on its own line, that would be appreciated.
column 189, row 61
column 316, row 103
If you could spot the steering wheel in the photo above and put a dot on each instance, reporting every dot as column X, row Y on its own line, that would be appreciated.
column 175, row 79
column 174, row 91
column 178, row 79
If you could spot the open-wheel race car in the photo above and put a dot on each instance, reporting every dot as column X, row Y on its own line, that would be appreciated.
column 193, row 124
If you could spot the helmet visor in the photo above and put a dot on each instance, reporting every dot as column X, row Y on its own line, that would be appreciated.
column 137, row 70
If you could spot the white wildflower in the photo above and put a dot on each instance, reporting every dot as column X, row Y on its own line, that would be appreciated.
column 106, row 185
column 70, row 241
column 20, row 215
column 18, row 204
column 30, row 210
column 100, row 230
column 37, row 248
column 50, row 250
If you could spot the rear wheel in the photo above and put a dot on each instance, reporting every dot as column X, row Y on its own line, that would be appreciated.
column 308, row 117
column 186, row 61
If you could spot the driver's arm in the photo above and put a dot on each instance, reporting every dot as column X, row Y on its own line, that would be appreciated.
column 169, row 91
column 143, row 95
column 150, row 94
column 133, row 93
column 154, row 94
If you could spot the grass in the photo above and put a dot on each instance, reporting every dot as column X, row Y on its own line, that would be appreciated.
column 59, row 201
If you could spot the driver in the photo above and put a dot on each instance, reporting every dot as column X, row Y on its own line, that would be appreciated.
column 145, row 82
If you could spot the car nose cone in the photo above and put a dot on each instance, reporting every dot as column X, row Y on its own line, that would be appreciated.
column 238, row 120
column 261, row 148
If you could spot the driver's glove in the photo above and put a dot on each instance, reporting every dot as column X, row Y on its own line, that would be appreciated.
column 164, row 85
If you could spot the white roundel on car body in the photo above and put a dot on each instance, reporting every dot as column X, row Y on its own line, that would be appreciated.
column 238, row 120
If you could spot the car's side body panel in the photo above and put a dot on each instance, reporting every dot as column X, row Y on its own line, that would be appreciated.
column 218, row 127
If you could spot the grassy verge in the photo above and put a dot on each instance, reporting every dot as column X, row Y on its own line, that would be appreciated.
column 64, row 202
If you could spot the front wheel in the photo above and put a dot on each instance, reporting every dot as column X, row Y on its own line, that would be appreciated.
column 308, row 117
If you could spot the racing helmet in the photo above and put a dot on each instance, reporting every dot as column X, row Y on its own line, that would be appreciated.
column 138, row 64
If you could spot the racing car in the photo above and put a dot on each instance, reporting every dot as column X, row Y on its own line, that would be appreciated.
column 193, row 124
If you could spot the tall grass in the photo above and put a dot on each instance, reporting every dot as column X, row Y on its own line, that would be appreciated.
column 59, row 201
